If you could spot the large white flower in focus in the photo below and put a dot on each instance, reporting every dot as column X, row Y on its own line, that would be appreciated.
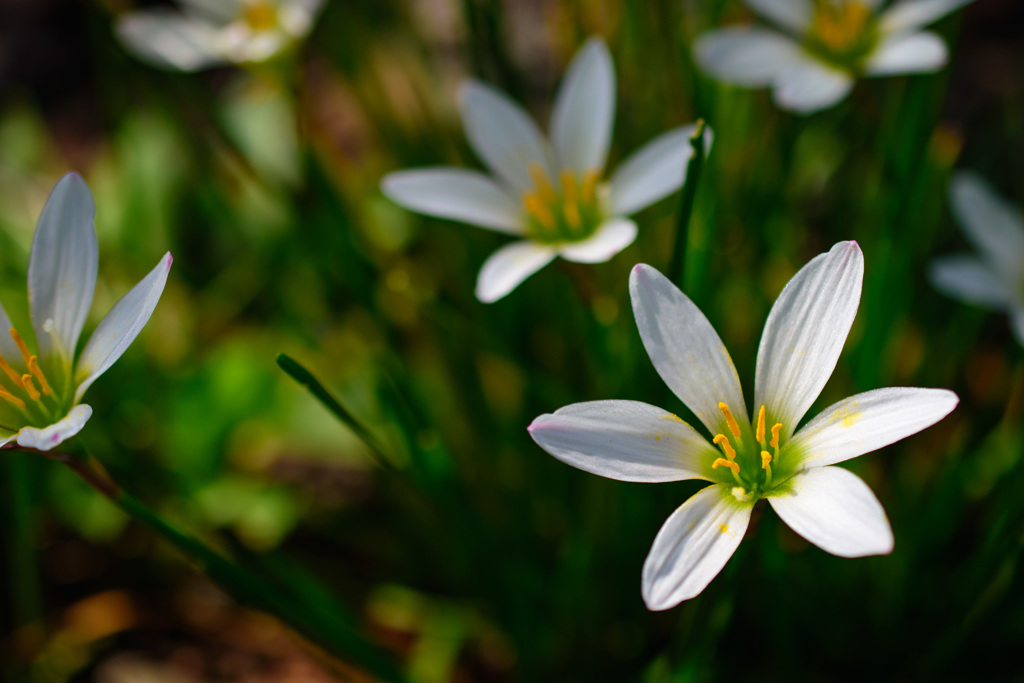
column 749, row 459
column 41, row 393
column 823, row 45
column 549, row 194
column 207, row 33
column 995, row 277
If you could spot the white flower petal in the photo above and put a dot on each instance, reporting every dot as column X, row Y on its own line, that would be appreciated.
column 746, row 56
column 221, row 11
column 922, row 52
column 625, row 440
column 967, row 279
column 457, row 194
column 509, row 266
column 866, row 422
column 503, row 135
column 805, row 332
column 297, row 16
column 990, row 223
column 692, row 546
column 166, row 38
column 810, row 86
column 653, row 172
column 611, row 237
column 584, row 111
column 50, row 437
column 793, row 15
column 62, row 267
column 121, row 326
column 908, row 15
column 836, row 511
column 685, row 350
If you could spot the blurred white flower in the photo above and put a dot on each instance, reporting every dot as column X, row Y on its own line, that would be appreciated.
column 40, row 393
column 208, row 33
column 755, row 459
column 549, row 193
column 995, row 278
column 823, row 46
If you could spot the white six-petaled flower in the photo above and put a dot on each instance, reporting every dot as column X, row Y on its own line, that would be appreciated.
column 209, row 33
column 40, row 393
column 995, row 278
column 747, row 459
column 551, row 195
column 823, row 45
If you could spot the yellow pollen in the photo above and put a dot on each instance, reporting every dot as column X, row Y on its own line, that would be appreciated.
column 33, row 393
column 775, row 435
column 6, row 367
column 840, row 25
column 589, row 186
column 541, row 182
column 765, row 459
column 21, row 345
column 760, row 426
column 33, row 367
column 722, row 462
column 730, row 420
column 261, row 16
column 536, row 208
column 11, row 398
column 723, row 441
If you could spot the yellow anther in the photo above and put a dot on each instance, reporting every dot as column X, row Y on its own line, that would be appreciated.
column 21, row 345
column 541, row 182
column 536, row 208
column 840, row 25
column 723, row 441
column 730, row 420
column 11, row 372
column 760, row 426
column 33, row 367
column 774, row 443
column 588, row 188
column 722, row 462
column 33, row 393
column 11, row 398
column 766, row 458
column 261, row 16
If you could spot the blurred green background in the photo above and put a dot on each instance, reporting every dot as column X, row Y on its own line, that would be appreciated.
column 477, row 556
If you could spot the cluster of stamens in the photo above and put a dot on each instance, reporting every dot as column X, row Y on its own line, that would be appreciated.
column 260, row 16
column 567, row 213
column 760, row 434
column 25, row 382
column 840, row 27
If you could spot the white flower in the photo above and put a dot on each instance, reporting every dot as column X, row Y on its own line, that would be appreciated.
column 995, row 278
column 748, row 460
column 213, row 32
column 551, row 194
column 41, row 393
column 823, row 45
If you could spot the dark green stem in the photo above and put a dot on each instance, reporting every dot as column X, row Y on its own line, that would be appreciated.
column 688, row 196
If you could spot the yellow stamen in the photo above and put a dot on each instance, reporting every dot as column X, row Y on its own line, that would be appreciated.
column 541, row 182
column 6, row 367
column 33, row 367
column 760, row 426
column 722, row 462
column 730, row 420
column 840, row 25
column 765, row 459
column 11, row 398
column 21, row 345
column 572, row 209
column 261, row 16
column 536, row 208
column 33, row 393
column 775, row 435
column 589, row 186
column 723, row 441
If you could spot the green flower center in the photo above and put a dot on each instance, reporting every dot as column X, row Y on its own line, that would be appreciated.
column 750, row 455
column 842, row 32
column 29, row 397
column 569, row 212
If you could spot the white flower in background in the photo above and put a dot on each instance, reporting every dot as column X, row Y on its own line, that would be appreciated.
column 208, row 33
column 551, row 195
column 747, row 460
column 995, row 278
column 823, row 45
column 41, row 393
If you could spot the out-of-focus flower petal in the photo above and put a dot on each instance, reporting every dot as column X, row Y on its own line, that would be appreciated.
column 922, row 52
column 509, row 266
column 747, row 56
column 584, row 111
column 792, row 15
column 967, row 279
column 166, row 38
column 654, row 171
column 810, row 86
column 457, row 194
column 909, row 15
column 611, row 237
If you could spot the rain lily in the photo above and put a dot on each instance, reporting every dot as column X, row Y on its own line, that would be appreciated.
column 747, row 460
column 821, row 46
column 995, row 278
column 209, row 33
column 551, row 195
column 41, row 391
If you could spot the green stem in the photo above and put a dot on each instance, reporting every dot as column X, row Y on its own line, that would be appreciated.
column 688, row 196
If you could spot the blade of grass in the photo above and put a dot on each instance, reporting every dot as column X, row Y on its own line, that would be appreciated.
column 687, row 197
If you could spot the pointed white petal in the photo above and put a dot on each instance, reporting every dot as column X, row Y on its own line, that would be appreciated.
column 50, row 437
column 166, row 38
column 684, row 348
column 62, row 266
column 967, row 279
column 805, row 333
column 584, row 111
column 611, row 237
column 746, row 56
column 653, row 172
column 836, row 511
column 908, row 15
column 990, row 223
column 793, row 15
column 625, row 440
column 866, row 422
column 693, row 545
column 121, row 326
column 457, row 194
column 922, row 52
column 509, row 266
column 503, row 135
column 811, row 86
